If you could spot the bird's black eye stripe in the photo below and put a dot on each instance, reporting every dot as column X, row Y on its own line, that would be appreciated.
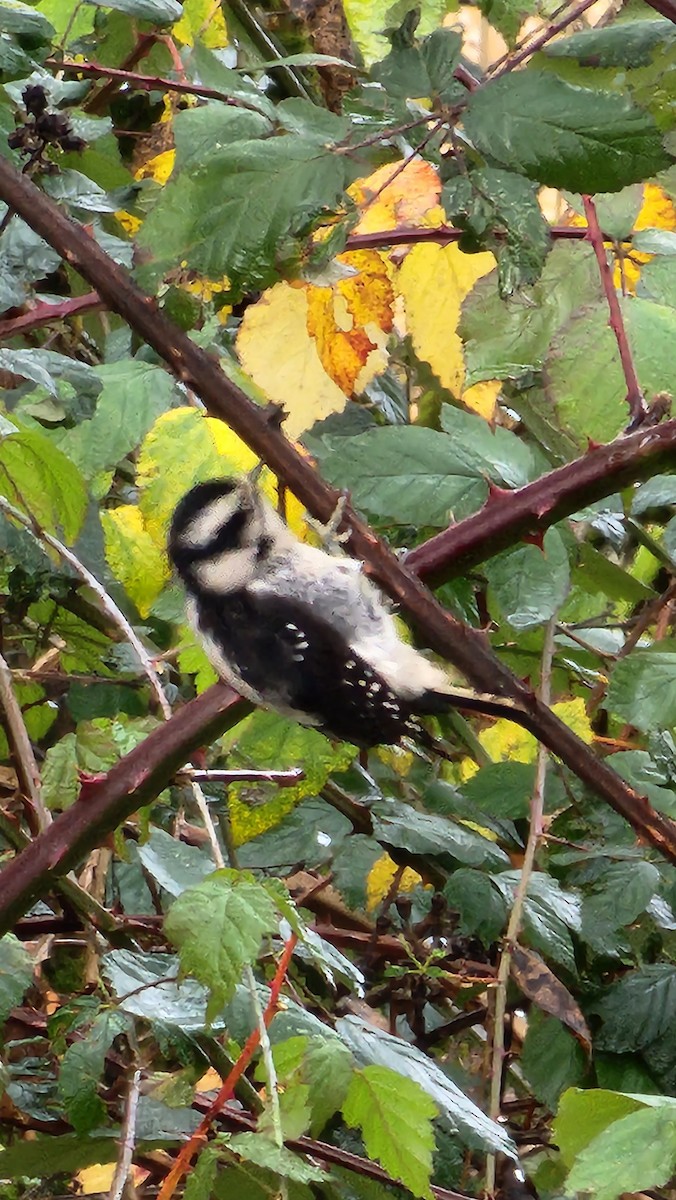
column 228, row 537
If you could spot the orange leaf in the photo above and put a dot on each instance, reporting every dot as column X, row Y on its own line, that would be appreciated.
column 350, row 320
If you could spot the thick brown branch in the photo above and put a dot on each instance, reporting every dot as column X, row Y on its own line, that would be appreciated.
column 103, row 804
column 467, row 648
column 508, row 517
column 667, row 8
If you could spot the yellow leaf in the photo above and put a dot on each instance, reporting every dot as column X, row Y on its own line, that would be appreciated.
column 482, row 398
column 398, row 195
column 276, row 350
column 574, row 714
column 158, row 168
column 203, row 19
column 99, row 1177
column 433, row 281
column 380, row 879
column 129, row 222
column 183, row 448
column 350, row 321
column 504, row 741
column 133, row 556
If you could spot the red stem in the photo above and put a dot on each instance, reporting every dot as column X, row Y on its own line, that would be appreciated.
column 442, row 234
column 635, row 400
column 251, row 1045
column 42, row 314
column 148, row 83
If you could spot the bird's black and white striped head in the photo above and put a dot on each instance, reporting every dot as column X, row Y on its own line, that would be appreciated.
column 220, row 533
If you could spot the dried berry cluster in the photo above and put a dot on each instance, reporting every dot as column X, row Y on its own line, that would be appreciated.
column 42, row 128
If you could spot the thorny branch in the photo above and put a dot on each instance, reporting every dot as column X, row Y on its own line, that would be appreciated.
column 465, row 647
column 529, row 511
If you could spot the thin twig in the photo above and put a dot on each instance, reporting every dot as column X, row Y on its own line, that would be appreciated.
column 153, row 83
column 516, row 915
column 282, row 778
column 127, row 1141
column 635, row 398
column 542, row 38
column 271, row 1081
column 22, row 752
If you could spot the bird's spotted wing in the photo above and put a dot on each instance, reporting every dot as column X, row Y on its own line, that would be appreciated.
column 295, row 660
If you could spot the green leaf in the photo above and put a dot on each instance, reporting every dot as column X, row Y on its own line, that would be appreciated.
column 398, row 824
column 60, row 779
column 173, row 864
column 134, row 394
column 631, row 1155
column 584, row 375
column 529, row 584
column 507, row 16
column 248, row 1182
column 508, row 339
column 550, row 915
column 264, row 1153
column 658, row 492
column 626, row 44
column 408, row 474
column 16, row 974
column 395, row 1117
column 160, row 12
column 620, row 895
column 481, row 909
column 323, row 1064
column 198, row 130
column 218, row 927
column 25, row 21
column 506, row 459
column 564, row 136
column 372, row 1046
column 157, row 996
column 201, row 1178
column 643, row 773
column 551, row 1059
column 500, row 210
column 38, row 478
column 642, row 687
column 237, row 214
column 502, row 789
column 56, row 1155
column 639, row 1011
column 82, row 1068
column 403, row 72
column 440, row 52
column 583, row 1115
